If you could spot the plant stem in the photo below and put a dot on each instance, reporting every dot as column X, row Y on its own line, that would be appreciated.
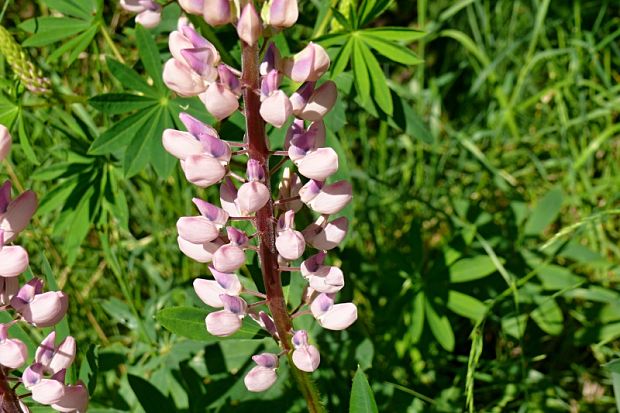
column 9, row 403
column 258, row 149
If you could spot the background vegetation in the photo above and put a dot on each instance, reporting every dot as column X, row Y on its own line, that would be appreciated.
column 484, row 250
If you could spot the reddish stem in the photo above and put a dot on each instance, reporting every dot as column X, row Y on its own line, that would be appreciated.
column 9, row 402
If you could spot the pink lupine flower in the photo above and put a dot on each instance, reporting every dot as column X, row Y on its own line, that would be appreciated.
column 203, row 228
column 13, row 352
column 308, row 65
column 222, row 97
column 203, row 170
column 44, row 390
column 5, row 142
column 253, row 195
column 333, row 316
column 265, row 321
column 305, row 356
column 271, row 60
column 289, row 187
column 15, row 214
column 313, row 104
column 217, row 12
column 39, row 308
column 180, row 78
column 280, row 13
column 328, row 236
column 202, row 253
column 249, row 26
column 8, row 288
column 209, row 291
column 304, row 140
column 55, row 358
column 230, row 257
column 227, row 321
column 326, row 199
column 74, row 400
column 322, row 278
column 289, row 243
column 262, row 376
column 13, row 259
column 318, row 164
column 229, row 198
column 149, row 11
column 192, row 6
column 276, row 107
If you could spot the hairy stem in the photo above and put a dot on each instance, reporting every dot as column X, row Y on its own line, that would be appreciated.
column 9, row 403
column 258, row 149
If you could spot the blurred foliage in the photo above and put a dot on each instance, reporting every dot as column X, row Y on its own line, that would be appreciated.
column 484, row 250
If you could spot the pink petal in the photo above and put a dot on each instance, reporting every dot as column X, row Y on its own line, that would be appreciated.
column 203, row 170
column 18, row 215
column 217, row 12
column 332, row 198
column 328, row 279
column 75, row 399
column 276, row 109
column 249, row 26
column 289, row 187
column 260, row 379
column 63, row 355
column 197, row 230
column 220, row 101
column 329, row 237
column 181, row 79
column 306, row 358
column 149, row 18
column 339, row 317
column 192, row 6
column 177, row 42
column 252, row 196
column 13, row 353
column 308, row 65
column 321, row 102
column 5, row 142
column 181, row 144
column 319, row 164
column 133, row 6
column 222, row 323
column 13, row 261
column 209, row 292
column 228, row 198
column 268, row 360
column 199, row 252
column 228, row 258
column 47, row 391
column 214, row 214
column 290, row 244
column 282, row 13
column 46, row 309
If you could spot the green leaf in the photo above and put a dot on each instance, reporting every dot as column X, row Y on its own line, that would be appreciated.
column 24, row 141
column 391, row 50
column 129, row 77
column 340, row 18
column 149, row 54
column 466, row 305
column 406, row 119
column 360, row 73
column 118, row 103
column 342, row 58
column 469, row 269
column 396, row 34
column 362, row 397
column 83, row 9
column 548, row 316
column 614, row 368
column 48, row 30
column 417, row 323
column 189, row 322
column 545, row 212
column 162, row 161
column 150, row 396
column 381, row 91
column 138, row 152
column 121, row 133
column 440, row 326
column 8, row 112
column 89, row 368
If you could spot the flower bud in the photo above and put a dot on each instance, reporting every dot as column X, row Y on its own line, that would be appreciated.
column 181, row 144
column 13, row 259
column 133, row 6
column 197, row 230
column 289, row 243
column 217, row 12
column 249, row 26
column 333, row 316
column 13, row 352
column 328, row 237
column 276, row 109
column 252, row 196
column 280, row 13
column 262, row 376
column 305, row 356
column 203, row 170
column 195, row 126
column 38, row 308
column 192, row 6
column 228, row 258
column 308, row 65
column 202, row 253
column 214, row 214
column 220, row 101
column 74, row 400
column 271, row 60
column 5, row 142
column 181, row 79
column 150, row 17
column 209, row 291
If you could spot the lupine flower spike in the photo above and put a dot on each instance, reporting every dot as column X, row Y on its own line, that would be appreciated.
column 44, row 378
column 246, row 195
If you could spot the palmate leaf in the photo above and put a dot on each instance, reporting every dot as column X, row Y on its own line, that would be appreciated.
column 362, row 397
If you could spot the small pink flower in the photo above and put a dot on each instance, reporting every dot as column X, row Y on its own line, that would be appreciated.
column 262, row 376
column 333, row 316
column 13, row 352
column 326, row 199
column 289, row 243
column 319, row 164
column 281, row 13
column 249, row 26
column 202, row 253
column 44, row 390
column 203, row 170
column 217, row 12
column 228, row 258
column 13, row 259
column 229, row 198
column 5, row 142
column 308, row 65
column 74, row 400
column 220, row 101
column 192, row 6
column 15, row 214
column 254, row 194
column 228, row 321
column 322, row 278
column 313, row 104
column 305, row 356
column 55, row 358
column 39, row 308
column 209, row 291
column 151, row 15
column 328, row 236
column 180, row 78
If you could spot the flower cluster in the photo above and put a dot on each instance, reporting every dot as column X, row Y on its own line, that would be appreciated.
column 210, row 237
column 45, row 377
